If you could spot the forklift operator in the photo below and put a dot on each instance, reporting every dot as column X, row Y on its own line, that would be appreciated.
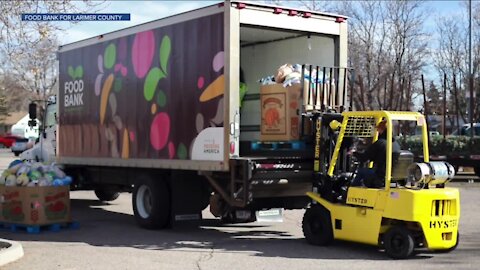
column 376, row 152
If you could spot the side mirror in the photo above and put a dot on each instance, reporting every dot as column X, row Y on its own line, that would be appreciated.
column 32, row 110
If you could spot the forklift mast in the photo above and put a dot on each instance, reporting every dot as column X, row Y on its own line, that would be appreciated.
column 325, row 97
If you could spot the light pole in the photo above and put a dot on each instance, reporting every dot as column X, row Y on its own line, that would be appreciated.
column 470, row 76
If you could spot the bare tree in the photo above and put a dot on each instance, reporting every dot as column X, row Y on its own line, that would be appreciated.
column 16, row 97
column 451, row 58
column 317, row 5
column 28, row 49
column 18, row 35
column 36, row 69
column 367, row 49
column 387, row 49
column 387, row 46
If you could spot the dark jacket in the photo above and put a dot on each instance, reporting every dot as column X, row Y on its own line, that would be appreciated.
column 377, row 153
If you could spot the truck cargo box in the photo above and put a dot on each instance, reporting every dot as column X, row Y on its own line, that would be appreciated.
column 165, row 94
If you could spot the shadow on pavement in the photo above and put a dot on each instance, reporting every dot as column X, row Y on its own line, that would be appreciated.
column 99, row 227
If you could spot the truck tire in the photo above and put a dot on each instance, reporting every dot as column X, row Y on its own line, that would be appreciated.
column 398, row 242
column 151, row 202
column 106, row 195
column 317, row 226
column 16, row 153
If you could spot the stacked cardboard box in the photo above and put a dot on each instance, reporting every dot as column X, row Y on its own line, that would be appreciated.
column 34, row 205
column 280, row 112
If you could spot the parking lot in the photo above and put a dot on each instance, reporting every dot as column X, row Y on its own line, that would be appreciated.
column 108, row 238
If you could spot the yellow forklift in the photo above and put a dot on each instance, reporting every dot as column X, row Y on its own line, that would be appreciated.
column 413, row 209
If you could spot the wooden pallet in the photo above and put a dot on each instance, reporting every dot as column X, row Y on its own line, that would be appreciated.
column 290, row 145
column 34, row 229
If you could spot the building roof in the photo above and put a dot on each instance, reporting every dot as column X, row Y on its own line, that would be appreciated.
column 13, row 118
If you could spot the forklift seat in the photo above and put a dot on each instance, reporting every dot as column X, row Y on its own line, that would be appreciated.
column 401, row 161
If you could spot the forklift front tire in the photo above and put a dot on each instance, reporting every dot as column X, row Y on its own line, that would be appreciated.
column 317, row 226
column 399, row 242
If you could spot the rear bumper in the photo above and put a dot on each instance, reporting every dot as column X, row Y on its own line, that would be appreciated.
column 440, row 234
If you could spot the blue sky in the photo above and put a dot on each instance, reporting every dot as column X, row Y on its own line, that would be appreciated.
column 144, row 11
column 141, row 12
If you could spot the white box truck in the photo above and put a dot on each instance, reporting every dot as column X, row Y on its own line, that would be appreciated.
column 155, row 110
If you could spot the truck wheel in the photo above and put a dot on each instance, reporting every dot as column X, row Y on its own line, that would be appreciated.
column 398, row 242
column 16, row 153
column 317, row 226
column 106, row 195
column 151, row 202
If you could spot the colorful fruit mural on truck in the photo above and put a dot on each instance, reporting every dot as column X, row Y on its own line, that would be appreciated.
column 144, row 95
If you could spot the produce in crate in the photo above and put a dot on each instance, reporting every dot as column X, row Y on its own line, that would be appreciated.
column 22, row 179
column 11, row 180
column 3, row 177
column 31, row 174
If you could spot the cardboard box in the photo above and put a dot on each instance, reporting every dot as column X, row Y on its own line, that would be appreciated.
column 35, row 205
column 280, row 107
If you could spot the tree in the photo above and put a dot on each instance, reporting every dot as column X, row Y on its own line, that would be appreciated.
column 36, row 69
column 19, row 36
column 387, row 48
column 28, row 49
column 3, row 107
column 318, row 5
column 435, row 99
column 16, row 97
column 451, row 58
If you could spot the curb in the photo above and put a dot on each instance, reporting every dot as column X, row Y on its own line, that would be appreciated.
column 10, row 251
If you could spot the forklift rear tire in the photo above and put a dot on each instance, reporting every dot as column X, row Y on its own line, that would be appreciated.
column 399, row 242
column 317, row 226
column 151, row 202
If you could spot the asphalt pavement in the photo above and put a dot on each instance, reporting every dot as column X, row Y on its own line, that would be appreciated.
column 108, row 238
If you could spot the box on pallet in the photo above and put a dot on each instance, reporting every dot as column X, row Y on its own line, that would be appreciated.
column 34, row 205
column 280, row 112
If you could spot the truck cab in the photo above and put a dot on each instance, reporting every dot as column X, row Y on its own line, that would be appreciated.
column 45, row 148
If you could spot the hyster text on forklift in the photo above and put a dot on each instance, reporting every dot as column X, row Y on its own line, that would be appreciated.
column 156, row 110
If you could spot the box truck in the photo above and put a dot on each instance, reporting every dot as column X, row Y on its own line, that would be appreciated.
column 155, row 110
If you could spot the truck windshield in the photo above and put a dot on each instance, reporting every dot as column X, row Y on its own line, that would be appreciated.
column 50, row 115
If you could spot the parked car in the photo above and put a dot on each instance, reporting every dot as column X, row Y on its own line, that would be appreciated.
column 8, row 140
column 21, row 145
column 465, row 130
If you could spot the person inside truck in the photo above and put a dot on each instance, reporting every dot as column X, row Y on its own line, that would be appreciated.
column 376, row 152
